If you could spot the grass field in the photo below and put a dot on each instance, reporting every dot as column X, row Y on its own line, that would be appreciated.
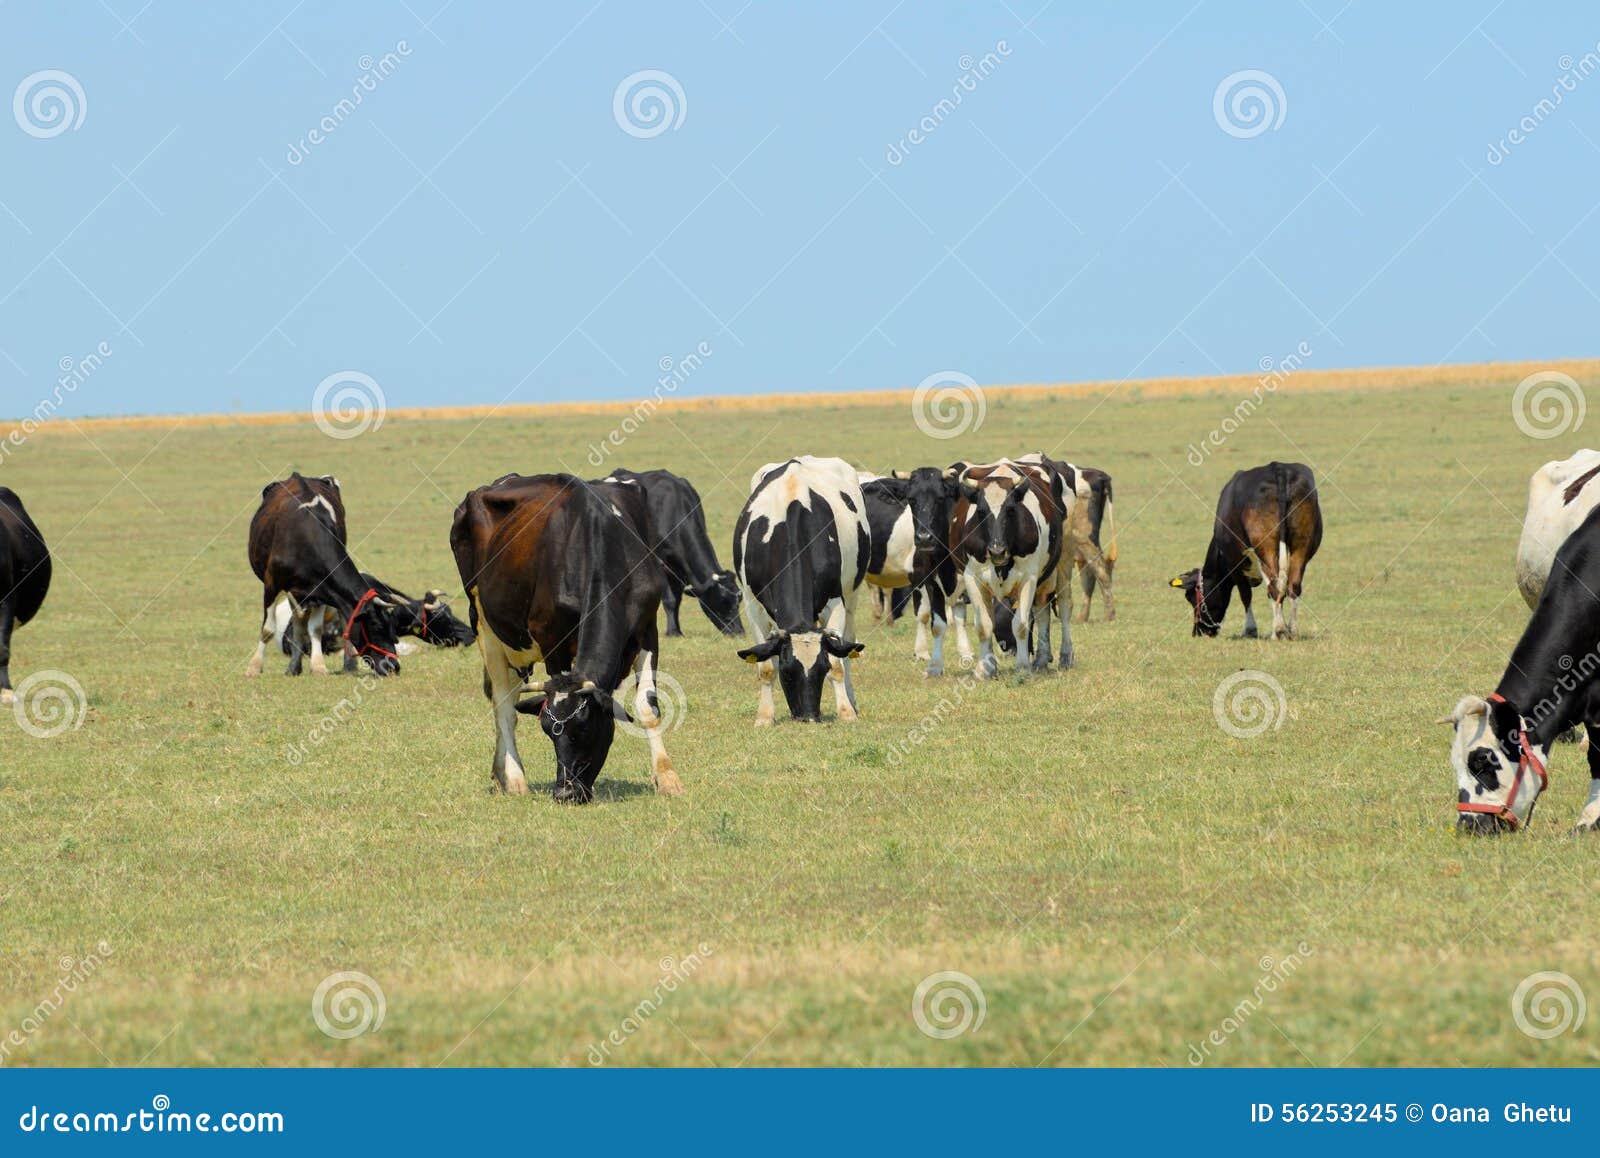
column 1106, row 864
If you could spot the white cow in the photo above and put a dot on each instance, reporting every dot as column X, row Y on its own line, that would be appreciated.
column 1560, row 496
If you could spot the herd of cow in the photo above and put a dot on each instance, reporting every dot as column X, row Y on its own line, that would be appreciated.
column 571, row 574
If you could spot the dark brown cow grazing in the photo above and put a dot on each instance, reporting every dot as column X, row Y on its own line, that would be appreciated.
column 24, row 577
column 560, row 572
column 297, row 550
column 1268, row 524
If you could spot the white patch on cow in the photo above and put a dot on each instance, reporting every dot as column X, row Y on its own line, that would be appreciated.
column 505, row 685
column 899, row 554
column 1590, row 816
column 1550, row 519
column 614, row 510
column 806, row 646
column 322, row 501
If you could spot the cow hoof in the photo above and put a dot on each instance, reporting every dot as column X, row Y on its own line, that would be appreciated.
column 7, row 696
column 933, row 672
column 252, row 673
column 517, row 787
column 667, row 782
column 1084, row 618
column 763, row 723
column 1067, row 662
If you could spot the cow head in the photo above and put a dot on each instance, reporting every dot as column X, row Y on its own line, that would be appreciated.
column 1491, row 775
column 930, row 495
column 431, row 620
column 371, row 633
column 719, row 599
column 802, row 658
column 1207, row 617
column 580, row 717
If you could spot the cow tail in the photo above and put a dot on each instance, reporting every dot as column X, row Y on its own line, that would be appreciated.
column 1282, row 479
column 1109, row 522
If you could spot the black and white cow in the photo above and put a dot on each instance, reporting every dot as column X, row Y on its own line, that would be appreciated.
column 1560, row 496
column 560, row 572
column 800, row 550
column 428, row 619
column 1502, row 743
column 688, row 560
column 910, row 519
column 1028, row 505
column 297, row 550
column 24, row 577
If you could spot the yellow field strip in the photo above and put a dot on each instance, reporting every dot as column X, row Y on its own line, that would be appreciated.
column 1485, row 374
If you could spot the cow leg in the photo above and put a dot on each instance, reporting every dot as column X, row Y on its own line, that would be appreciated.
column 316, row 624
column 963, row 643
column 759, row 626
column 501, row 683
column 8, row 621
column 1292, row 585
column 987, row 668
column 671, row 598
column 1066, row 660
column 839, row 620
column 647, row 710
column 1272, row 570
column 1040, row 636
column 1093, row 562
column 1250, row 631
column 294, row 634
column 932, row 597
column 919, row 603
column 1022, row 618
column 253, row 668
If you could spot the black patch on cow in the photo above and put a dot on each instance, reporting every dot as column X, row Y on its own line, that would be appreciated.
column 1577, row 485
column 845, row 499
column 1485, row 769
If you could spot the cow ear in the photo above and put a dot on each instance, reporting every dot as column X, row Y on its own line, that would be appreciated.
column 620, row 713
column 843, row 648
column 764, row 650
column 1466, row 706
column 531, row 706
column 1177, row 581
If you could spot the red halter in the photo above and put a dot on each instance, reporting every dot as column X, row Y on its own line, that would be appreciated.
column 1525, row 760
column 366, row 643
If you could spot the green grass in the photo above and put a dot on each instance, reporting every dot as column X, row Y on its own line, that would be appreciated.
column 1090, row 847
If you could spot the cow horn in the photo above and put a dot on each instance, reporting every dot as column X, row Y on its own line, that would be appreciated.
column 900, row 474
column 589, row 686
column 533, row 686
column 949, row 472
column 1445, row 720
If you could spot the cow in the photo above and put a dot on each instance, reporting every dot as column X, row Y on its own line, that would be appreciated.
column 24, row 578
column 561, row 572
column 1560, row 496
column 1268, row 523
column 1028, row 506
column 428, row 619
column 1093, row 518
column 688, row 560
column 297, row 550
column 800, row 550
column 1500, row 751
column 910, row 518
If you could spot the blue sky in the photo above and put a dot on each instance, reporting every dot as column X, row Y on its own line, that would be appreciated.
column 483, row 228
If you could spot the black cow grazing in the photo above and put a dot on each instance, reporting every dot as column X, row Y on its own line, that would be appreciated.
column 910, row 518
column 428, row 619
column 1028, row 505
column 800, row 550
column 1268, row 523
column 560, row 572
column 24, row 577
column 297, row 550
column 688, row 560
column 1502, row 744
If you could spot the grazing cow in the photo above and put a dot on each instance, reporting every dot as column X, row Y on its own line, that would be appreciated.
column 1028, row 506
column 428, row 619
column 297, row 550
column 24, row 577
column 910, row 519
column 1268, row 523
column 1560, row 497
column 561, row 572
column 1501, row 745
column 800, row 550
column 688, row 560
